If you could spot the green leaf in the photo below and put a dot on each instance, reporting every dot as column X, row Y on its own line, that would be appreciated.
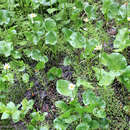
column 127, row 109
column 8, row 77
column 77, row 40
column 4, row 17
column 11, row 106
column 54, row 73
column 4, row 116
column 67, row 61
column 67, row 33
column 62, row 87
column 47, row 3
column 84, row 83
column 51, row 10
column 2, row 107
column 32, row 37
column 104, row 123
column 45, row 127
column 82, row 126
column 59, row 124
column 89, row 97
column 86, row 117
column 94, row 124
column 25, row 78
column 91, row 44
column 128, row 9
column 35, row 54
column 122, row 40
column 22, row 43
column 40, row 65
column 72, row 118
column 110, row 8
column 100, row 113
column 51, row 38
column 123, row 11
column 125, row 77
column 38, row 117
column 113, row 11
column 75, row 14
column 90, row 10
column 11, row 34
column 61, row 105
column 114, row 61
column 16, row 116
column 61, row 15
column 50, row 24
column 26, row 105
column 104, row 78
column 16, row 54
column 6, row 48
column 31, row 127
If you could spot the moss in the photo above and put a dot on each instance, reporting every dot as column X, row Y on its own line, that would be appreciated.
column 114, row 109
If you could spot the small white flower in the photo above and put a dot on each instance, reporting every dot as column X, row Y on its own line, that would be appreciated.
column 6, row 66
column 74, row 7
column 85, row 20
column 71, row 86
column 98, row 47
column 32, row 15
column 72, row 99
column 85, row 29
column 128, row 18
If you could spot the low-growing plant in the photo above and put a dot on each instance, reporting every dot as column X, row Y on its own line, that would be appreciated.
column 90, row 115
column 18, row 112
column 12, row 111
column 41, row 41
column 117, row 66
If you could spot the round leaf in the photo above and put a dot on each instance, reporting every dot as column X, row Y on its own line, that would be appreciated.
column 51, row 38
column 114, row 61
column 6, row 48
column 48, row 3
column 77, row 40
column 82, row 126
column 62, row 87
column 50, row 24
column 54, row 73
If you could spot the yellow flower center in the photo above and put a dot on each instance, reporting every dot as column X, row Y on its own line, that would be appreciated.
column 6, row 66
column 71, row 86
column 85, row 20
column 128, row 18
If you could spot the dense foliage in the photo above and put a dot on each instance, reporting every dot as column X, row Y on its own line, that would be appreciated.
column 68, row 53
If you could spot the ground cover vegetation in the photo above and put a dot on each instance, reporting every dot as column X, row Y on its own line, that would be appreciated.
column 64, row 64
